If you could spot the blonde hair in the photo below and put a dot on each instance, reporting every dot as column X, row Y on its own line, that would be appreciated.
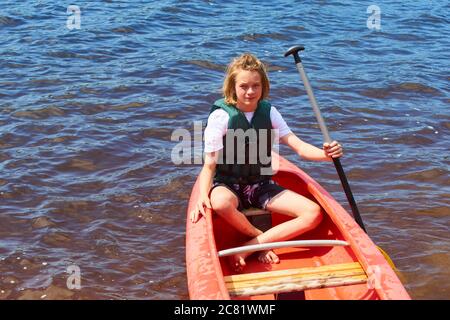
column 248, row 62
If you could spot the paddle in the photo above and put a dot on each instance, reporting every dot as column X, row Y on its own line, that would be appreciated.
column 337, row 163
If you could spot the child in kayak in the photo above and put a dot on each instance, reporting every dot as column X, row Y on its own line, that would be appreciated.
column 229, row 184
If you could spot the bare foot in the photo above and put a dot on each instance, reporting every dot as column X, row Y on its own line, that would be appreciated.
column 237, row 262
column 268, row 256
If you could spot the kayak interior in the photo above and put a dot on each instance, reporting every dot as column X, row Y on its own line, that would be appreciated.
column 299, row 262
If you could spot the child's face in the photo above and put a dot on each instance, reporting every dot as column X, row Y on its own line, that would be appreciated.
column 248, row 90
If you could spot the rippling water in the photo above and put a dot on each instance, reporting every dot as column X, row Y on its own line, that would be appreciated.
column 86, row 117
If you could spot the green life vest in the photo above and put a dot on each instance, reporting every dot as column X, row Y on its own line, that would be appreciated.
column 247, row 147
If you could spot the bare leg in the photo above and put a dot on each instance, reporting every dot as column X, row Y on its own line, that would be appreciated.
column 307, row 216
column 225, row 203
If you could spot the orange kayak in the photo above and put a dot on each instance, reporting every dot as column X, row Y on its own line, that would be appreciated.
column 337, row 260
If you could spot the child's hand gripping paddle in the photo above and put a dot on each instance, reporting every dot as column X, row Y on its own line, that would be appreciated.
column 337, row 163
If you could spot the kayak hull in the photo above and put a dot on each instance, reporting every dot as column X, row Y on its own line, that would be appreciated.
column 206, row 272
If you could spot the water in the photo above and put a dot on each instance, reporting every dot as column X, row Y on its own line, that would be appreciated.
column 86, row 117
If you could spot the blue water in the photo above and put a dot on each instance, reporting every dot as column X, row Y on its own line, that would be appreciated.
column 86, row 118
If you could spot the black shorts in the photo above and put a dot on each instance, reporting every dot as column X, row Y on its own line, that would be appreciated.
column 255, row 195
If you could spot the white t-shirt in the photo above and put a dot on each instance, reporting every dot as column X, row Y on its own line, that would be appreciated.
column 218, row 125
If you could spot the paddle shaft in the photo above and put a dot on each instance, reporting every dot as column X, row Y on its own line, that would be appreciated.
column 326, row 135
